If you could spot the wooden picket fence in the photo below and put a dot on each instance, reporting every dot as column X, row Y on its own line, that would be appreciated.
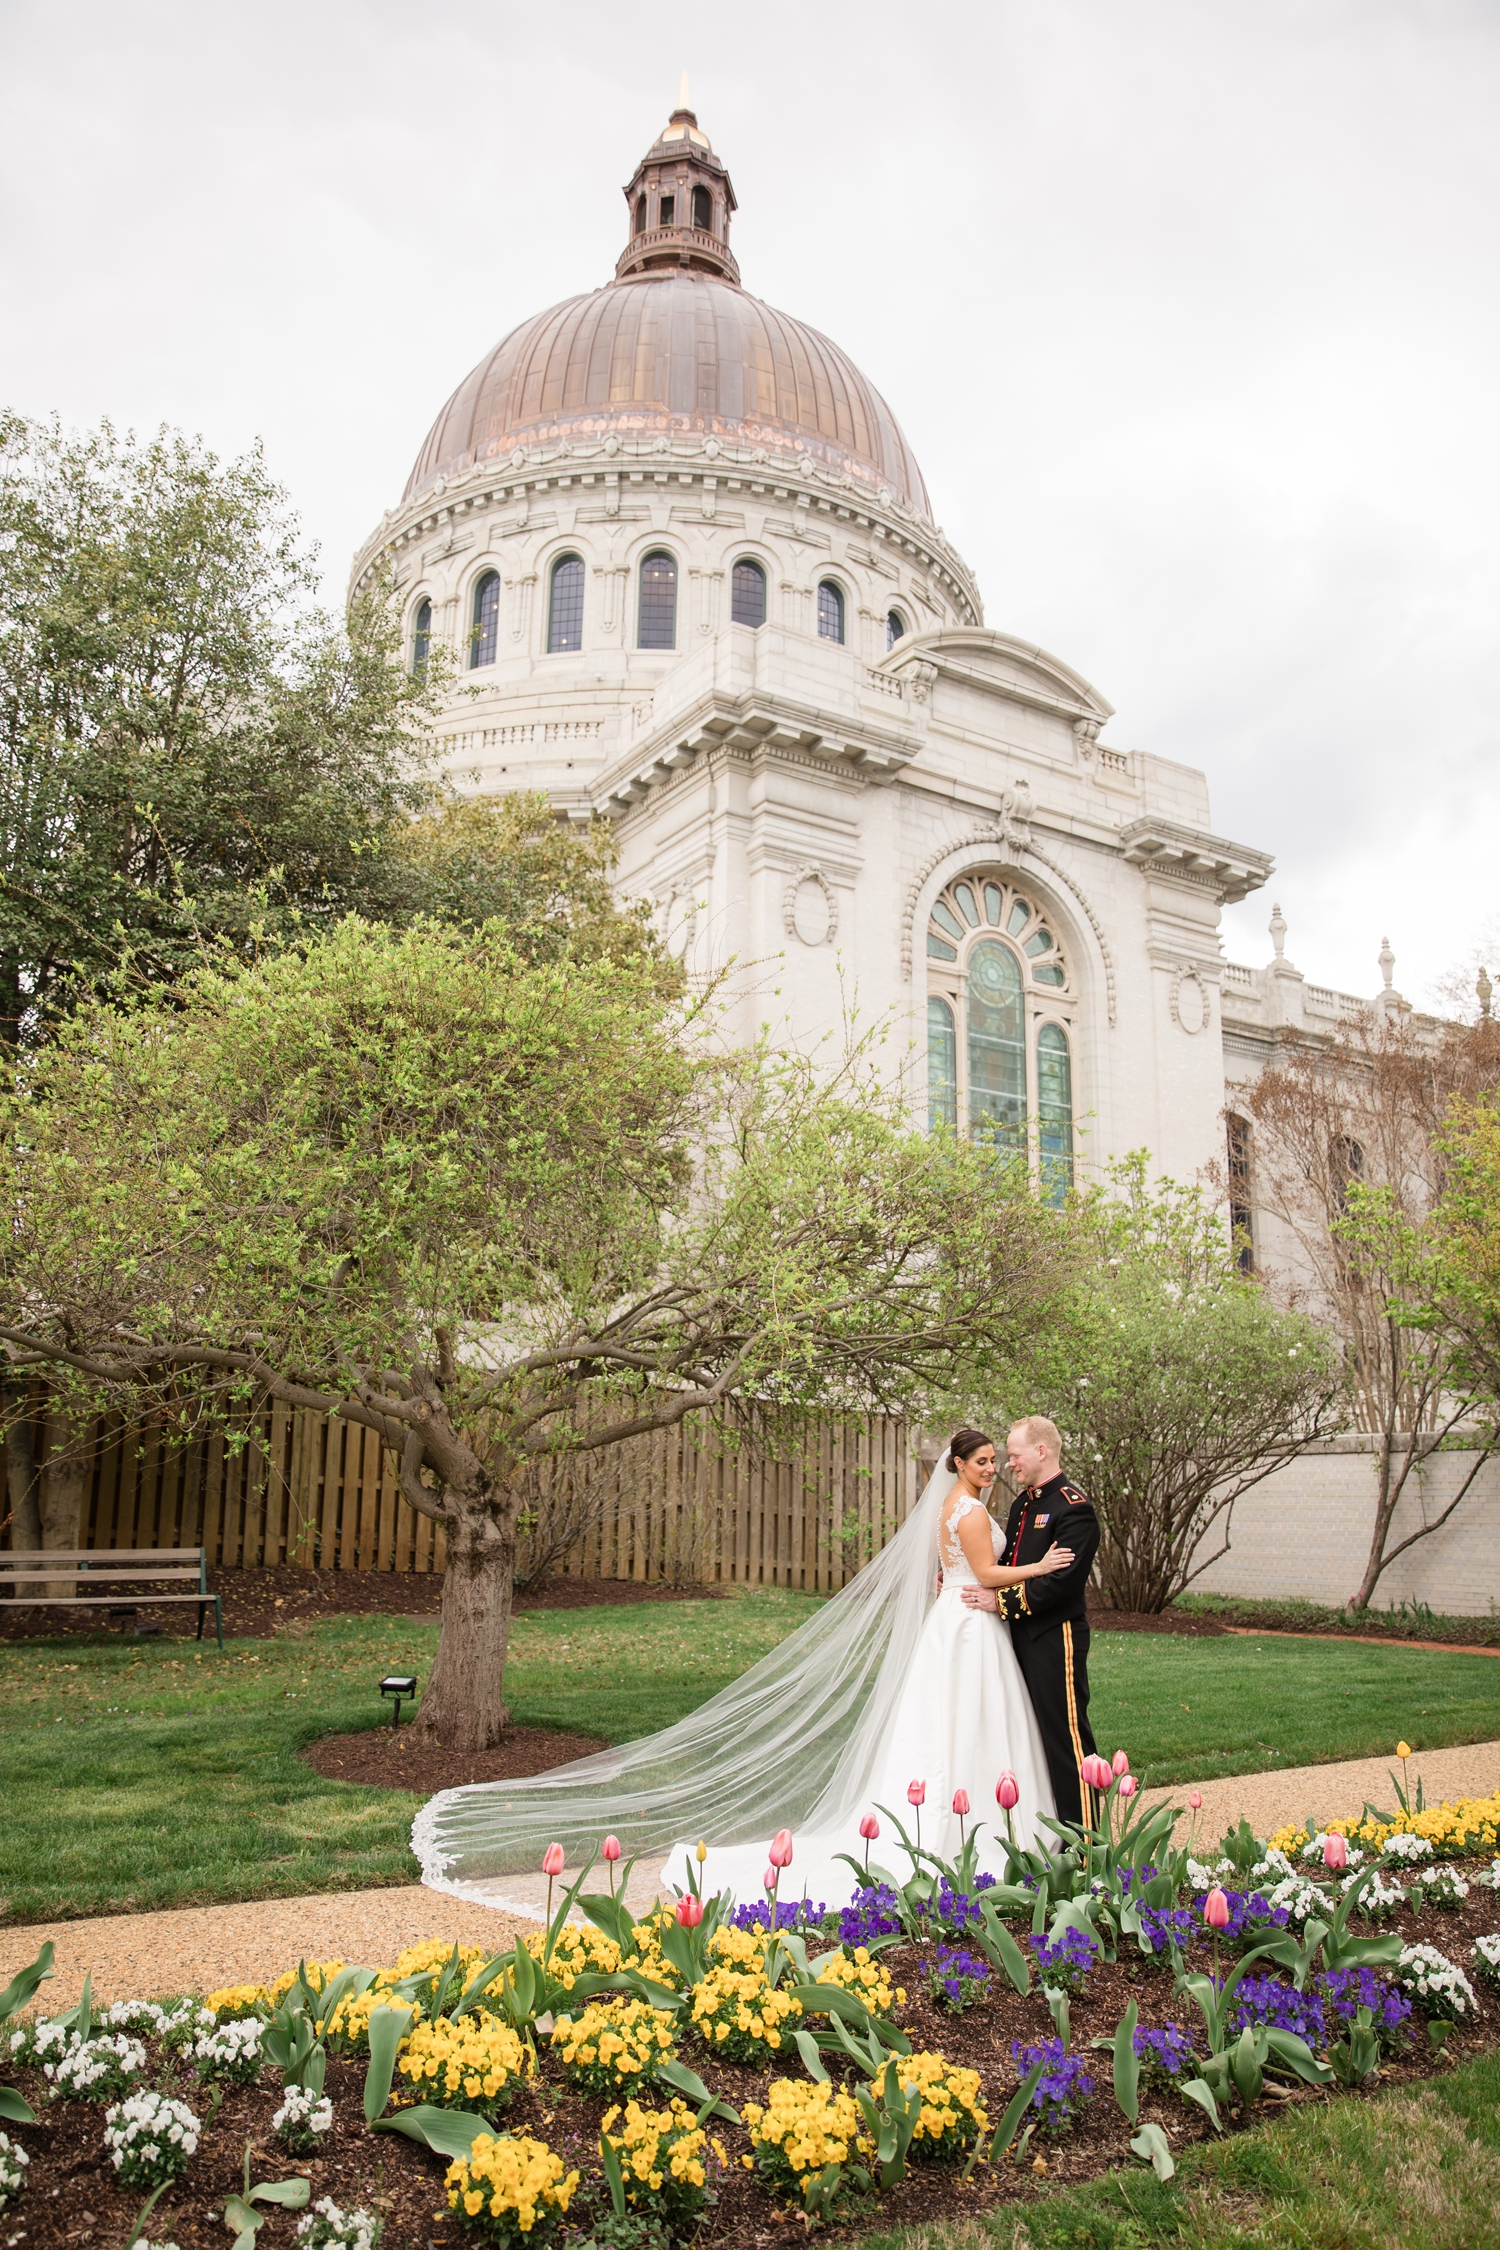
column 681, row 1505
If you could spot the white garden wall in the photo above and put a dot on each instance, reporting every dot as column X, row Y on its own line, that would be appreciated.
column 1306, row 1531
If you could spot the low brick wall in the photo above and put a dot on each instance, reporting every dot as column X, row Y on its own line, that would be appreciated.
column 1305, row 1532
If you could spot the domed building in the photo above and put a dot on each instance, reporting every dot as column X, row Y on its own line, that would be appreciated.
column 688, row 561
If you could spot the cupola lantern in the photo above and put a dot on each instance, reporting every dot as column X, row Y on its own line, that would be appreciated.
column 679, row 201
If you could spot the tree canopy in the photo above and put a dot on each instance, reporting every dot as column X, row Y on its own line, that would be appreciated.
column 1176, row 1381
column 494, row 1209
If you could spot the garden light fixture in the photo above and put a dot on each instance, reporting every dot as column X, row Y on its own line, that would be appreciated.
column 396, row 1685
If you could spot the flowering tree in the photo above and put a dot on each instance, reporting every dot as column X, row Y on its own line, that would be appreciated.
column 1177, row 1382
column 495, row 1210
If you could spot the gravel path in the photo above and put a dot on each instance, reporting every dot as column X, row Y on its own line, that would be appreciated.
column 195, row 1948
column 1269, row 1800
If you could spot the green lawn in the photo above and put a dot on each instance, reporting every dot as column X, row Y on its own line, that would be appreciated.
column 154, row 1773
column 1410, row 2170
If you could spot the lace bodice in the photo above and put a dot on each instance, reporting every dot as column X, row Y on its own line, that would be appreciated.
column 956, row 1569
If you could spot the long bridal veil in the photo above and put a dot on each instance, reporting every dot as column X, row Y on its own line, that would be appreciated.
column 793, row 1743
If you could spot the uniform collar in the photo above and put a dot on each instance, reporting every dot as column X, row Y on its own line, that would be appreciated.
column 1039, row 1491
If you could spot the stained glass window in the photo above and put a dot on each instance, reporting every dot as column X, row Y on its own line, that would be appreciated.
column 1241, row 1221
column 997, row 1045
column 658, row 621
column 421, row 639
column 485, row 636
column 747, row 593
column 942, row 1067
column 830, row 612
column 565, row 612
column 1054, row 1111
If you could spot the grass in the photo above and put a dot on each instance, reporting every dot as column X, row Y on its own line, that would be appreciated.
column 147, row 1774
column 1410, row 2170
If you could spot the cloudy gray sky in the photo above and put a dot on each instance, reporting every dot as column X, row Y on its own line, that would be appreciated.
column 1189, row 308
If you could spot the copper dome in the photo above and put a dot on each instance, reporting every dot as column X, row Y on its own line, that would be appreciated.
column 664, row 354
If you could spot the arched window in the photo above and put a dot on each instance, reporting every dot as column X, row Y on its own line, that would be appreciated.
column 484, row 637
column 668, row 211
column 830, row 612
column 703, row 209
column 421, row 638
column 1241, row 1210
column 1054, row 1111
column 640, row 214
column 894, row 629
column 996, row 969
column 997, row 1045
column 658, row 614
column 747, row 593
column 565, row 609
column 942, row 1067
column 1346, row 1166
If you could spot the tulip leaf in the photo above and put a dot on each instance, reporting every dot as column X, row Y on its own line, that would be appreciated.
column 1128, row 2065
column 1009, row 2125
column 688, row 2082
column 21, row 1987
column 451, row 2132
column 1151, row 2143
column 388, row 2027
column 14, row 2107
column 1194, row 2090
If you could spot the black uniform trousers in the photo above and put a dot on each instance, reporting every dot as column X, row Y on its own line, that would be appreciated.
column 1054, row 1665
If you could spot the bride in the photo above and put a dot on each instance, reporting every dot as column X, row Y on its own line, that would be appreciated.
column 894, row 1680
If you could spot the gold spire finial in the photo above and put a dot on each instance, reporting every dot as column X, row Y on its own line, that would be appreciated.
column 684, row 98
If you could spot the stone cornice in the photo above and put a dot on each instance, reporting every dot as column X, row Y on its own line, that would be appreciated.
column 609, row 466
column 756, row 724
column 1189, row 855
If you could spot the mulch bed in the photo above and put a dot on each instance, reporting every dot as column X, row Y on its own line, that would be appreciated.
column 258, row 1604
column 398, row 1758
column 70, row 2197
column 1177, row 1621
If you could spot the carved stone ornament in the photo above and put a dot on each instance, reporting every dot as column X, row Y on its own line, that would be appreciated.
column 679, row 922
column 921, row 677
column 1086, row 735
column 1190, row 1002
column 809, row 909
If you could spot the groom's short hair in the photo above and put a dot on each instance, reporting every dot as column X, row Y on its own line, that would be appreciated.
column 1037, row 1430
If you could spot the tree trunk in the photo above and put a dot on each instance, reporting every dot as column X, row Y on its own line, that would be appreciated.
column 64, row 1495
column 1388, row 1492
column 462, row 1707
column 20, row 1473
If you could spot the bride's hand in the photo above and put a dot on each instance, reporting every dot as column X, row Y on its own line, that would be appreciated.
column 1056, row 1558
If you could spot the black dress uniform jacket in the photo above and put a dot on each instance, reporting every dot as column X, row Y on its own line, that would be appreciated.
column 1049, row 1630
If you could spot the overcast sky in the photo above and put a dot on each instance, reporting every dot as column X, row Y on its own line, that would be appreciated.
column 1188, row 307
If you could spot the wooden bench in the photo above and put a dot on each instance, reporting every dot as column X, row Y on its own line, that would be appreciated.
column 118, row 1566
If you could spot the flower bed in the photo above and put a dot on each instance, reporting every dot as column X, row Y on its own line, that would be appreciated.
column 728, row 2175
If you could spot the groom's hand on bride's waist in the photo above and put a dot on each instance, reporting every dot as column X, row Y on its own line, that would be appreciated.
column 981, row 1597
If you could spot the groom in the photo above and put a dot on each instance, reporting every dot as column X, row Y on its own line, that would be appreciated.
column 1048, row 1625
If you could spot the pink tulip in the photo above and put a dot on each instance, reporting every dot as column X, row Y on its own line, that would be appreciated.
column 780, row 1854
column 1097, row 1774
column 1007, row 1791
column 960, row 1801
column 552, row 1862
column 689, row 1911
column 612, row 1847
column 1195, row 1799
column 869, row 1828
column 916, row 1792
column 770, row 1879
column 1121, row 1763
column 1335, row 1851
column 1216, row 1909
column 1127, row 1786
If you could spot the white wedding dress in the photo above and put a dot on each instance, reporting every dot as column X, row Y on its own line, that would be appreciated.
column 888, row 1682
column 963, row 1718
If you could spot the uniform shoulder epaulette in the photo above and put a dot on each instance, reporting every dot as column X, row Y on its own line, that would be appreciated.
column 1074, row 1497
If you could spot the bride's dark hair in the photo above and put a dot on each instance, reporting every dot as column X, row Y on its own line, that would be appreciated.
column 966, row 1442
